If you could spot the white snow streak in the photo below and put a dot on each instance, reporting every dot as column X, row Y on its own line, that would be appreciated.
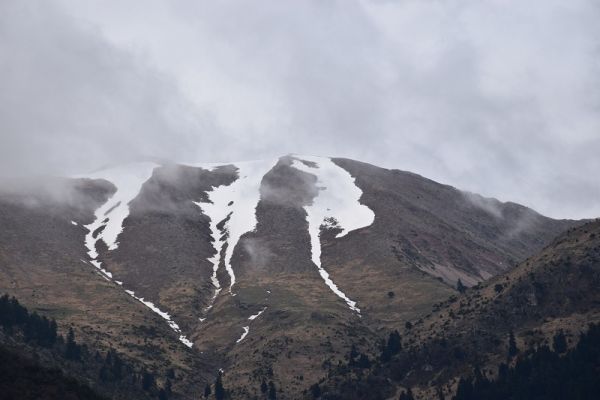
column 128, row 180
column 165, row 315
column 338, row 198
column 253, row 317
column 98, row 265
column 74, row 223
column 237, row 201
column 246, row 330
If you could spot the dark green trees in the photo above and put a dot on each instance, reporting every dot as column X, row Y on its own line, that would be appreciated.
column 272, row 391
column 408, row 395
column 72, row 349
column 363, row 362
column 147, row 380
column 460, row 286
column 219, row 389
column 543, row 374
column 36, row 329
column 315, row 390
column 392, row 347
column 264, row 387
column 513, row 350
column 113, row 368
column 559, row 343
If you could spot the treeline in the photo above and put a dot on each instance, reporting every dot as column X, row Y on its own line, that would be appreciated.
column 109, row 369
column 543, row 373
column 36, row 329
column 26, row 379
column 359, row 377
column 549, row 373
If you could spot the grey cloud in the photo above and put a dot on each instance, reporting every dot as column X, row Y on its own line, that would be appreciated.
column 498, row 98
column 70, row 101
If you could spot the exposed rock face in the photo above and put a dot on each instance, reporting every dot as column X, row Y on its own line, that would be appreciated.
column 280, row 319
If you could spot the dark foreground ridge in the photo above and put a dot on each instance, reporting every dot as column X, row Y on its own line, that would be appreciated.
column 38, row 363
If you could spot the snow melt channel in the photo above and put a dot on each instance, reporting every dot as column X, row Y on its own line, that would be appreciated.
column 338, row 198
column 108, row 224
column 237, row 202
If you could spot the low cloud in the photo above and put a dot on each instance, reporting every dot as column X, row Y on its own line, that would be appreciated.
column 259, row 252
column 491, row 206
column 498, row 98
column 70, row 101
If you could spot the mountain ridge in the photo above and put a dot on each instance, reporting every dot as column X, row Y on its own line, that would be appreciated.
column 551, row 293
column 423, row 237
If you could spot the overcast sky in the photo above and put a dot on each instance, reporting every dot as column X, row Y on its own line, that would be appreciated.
column 498, row 97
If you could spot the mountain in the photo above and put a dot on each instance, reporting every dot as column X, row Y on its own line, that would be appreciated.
column 550, row 295
column 268, row 270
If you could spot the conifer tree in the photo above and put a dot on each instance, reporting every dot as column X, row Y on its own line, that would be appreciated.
column 513, row 350
column 162, row 395
column 392, row 347
column 363, row 361
column 147, row 380
column 72, row 350
column 559, row 343
column 168, row 386
column 315, row 390
column 464, row 391
column 353, row 354
column 460, row 286
column 272, row 391
column 219, row 389
column 440, row 393
column 408, row 395
column 263, row 387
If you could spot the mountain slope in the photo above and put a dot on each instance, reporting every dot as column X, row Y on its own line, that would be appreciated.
column 43, row 262
column 552, row 292
column 268, row 269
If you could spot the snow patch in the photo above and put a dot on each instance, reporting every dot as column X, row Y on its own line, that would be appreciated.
column 237, row 202
column 128, row 180
column 338, row 198
column 253, row 317
column 246, row 330
column 74, row 223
